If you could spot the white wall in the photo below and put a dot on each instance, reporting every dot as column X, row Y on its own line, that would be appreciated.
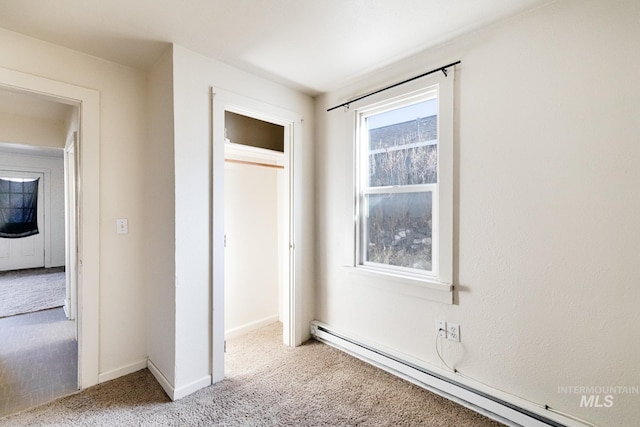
column 40, row 132
column 21, row 129
column 53, row 166
column 194, row 76
column 546, row 231
column 159, row 228
column 252, row 247
column 123, row 125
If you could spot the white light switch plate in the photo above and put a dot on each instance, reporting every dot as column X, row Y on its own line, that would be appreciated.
column 122, row 226
column 441, row 328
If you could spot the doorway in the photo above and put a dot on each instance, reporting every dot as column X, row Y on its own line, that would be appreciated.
column 224, row 103
column 87, row 104
column 256, row 207
column 39, row 355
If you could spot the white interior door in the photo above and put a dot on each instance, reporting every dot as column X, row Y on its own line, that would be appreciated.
column 24, row 252
column 71, row 245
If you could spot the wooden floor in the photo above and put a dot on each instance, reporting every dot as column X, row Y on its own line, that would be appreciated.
column 38, row 359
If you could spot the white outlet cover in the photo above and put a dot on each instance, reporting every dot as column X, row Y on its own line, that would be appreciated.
column 453, row 332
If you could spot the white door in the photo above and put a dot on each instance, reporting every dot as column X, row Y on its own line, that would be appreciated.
column 71, row 246
column 24, row 252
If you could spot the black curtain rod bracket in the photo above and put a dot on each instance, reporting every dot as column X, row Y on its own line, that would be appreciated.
column 443, row 69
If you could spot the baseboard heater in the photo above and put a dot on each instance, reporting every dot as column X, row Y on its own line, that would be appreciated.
column 487, row 403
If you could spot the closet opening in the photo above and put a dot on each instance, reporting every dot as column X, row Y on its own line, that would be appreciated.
column 256, row 211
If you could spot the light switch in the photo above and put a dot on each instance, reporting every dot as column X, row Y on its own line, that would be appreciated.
column 122, row 225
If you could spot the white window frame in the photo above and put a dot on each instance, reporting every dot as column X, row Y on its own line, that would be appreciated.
column 440, row 277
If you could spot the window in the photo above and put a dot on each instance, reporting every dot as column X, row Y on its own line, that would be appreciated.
column 404, row 184
column 18, row 207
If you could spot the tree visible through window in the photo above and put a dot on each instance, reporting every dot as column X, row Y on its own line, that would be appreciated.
column 399, row 184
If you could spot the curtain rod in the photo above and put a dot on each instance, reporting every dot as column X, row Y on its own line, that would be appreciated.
column 443, row 69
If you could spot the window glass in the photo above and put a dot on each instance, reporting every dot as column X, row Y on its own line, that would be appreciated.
column 403, row 146
column 399, row 178
column 398, row 229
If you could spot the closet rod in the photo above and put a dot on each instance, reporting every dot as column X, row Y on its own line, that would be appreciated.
column 246, row 162
column 443, row 69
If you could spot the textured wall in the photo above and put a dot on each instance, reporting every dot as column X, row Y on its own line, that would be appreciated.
column 546, row 237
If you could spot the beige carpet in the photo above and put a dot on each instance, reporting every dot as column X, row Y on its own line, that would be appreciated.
column 26, row 291
column 267, row 385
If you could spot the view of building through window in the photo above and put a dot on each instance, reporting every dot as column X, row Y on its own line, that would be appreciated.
column 402, row 175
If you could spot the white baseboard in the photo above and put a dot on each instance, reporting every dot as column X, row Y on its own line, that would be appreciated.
column 192, row 387
column 180, row 392
column 162, row 380
column 495, row 404
column 246, row 328
column 125, row 370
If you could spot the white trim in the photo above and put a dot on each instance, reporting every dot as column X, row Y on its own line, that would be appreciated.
column 247, row 152
column 438, row 87
column 88, row 101
column 444, row 232
column 404, row 146
column 67, row 309
column 223, row 100
column 71, row 227
column 495, row 404
column 162, row 380
column 31, row 150
column 400, row 189
column 124, row 370
column 413, row 286
column 251, row 326
column 192, row 387
column 180, row 392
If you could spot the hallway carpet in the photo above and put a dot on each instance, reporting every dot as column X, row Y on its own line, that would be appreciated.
column 34, row 289
column 38, row 359
column 268, row 384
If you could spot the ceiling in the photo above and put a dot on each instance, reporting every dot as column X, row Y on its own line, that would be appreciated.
column 311, row 45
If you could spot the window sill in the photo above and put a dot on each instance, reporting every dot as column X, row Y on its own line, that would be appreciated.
column 417, row 287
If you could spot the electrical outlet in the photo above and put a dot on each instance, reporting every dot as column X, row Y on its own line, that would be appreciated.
column 453, row 332
column 441, row 328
